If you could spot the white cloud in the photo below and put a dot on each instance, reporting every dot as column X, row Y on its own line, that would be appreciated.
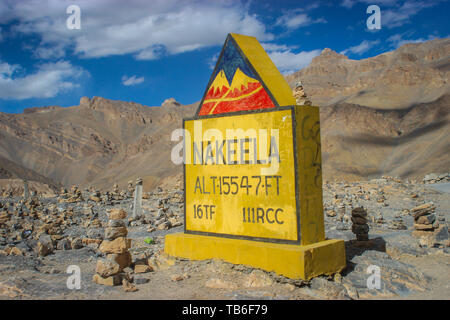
column 288, row 61
column 397, row 40
column 294, row 20
column 131, row 81
column 350, row 3
column 146, row 29
column 276, row 47
column 47, row 81
column 212, row 61
column 401, row 15
column 361, row 48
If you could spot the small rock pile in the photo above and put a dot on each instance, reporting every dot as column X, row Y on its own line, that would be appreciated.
column 434, row 178
column 130, row 189
column 115, row 247
column 63, row 195
column 4, row 216
column 300, row 95
column 360, row 227
column 432, row 230
column 76, row 195
column 424, row 217
column 116, row 194
column 95, row 196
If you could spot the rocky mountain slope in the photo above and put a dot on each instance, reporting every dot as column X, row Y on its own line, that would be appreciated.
column 386, row 115
column 414, row 73
column 97, row 143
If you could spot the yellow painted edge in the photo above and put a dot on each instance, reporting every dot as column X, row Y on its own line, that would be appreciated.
column 266, row 69
column 293, row 261
column 309, row 168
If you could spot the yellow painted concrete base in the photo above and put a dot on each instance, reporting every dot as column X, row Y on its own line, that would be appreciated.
column 293, row 261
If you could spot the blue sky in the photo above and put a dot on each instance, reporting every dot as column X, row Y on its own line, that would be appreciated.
column 148, row 51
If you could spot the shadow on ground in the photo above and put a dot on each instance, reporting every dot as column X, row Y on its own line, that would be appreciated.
column 356, row 248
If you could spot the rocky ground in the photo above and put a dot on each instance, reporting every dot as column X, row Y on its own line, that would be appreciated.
column 41, row 237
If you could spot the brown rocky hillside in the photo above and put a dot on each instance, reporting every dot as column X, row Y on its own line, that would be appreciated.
column 96, row 143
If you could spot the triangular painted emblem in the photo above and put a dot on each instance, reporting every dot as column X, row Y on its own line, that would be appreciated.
column 244, row 79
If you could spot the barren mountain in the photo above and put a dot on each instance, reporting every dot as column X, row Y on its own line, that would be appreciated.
column 414, row 73
column 388, row 114
column 98, row 143
column 385, row 115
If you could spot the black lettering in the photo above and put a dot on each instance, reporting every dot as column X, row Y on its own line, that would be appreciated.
column 267, row 216
column 198, row 154
column 213, row 178
column 259, row 214
column 198, row 185
column 209, row 154
column 273, row 153
column 219, row 152
column 231, row 152
column 276, row 216
column 204, row 187
column 278, row 184
column 212, row 211
column 267, row 184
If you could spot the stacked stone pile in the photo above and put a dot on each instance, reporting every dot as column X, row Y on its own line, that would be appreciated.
column 432, row 229
column 130, row 189
column 424, row 217
column 106, row 198
column 116, row 194
column 109, row 270
column 300, row 95
column 63, row 195
column 434, row 178
column 75, row 195
column 4, row 216
column 360, row 227
column 95, row 196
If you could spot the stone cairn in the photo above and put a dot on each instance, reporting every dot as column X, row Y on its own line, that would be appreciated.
column 63, row 195
column 95, row 196
column 130, row 189
column 116, row 194
column 424, row 217
column 109, row 270
column 435, row 178
column 360, row 227
column 432, row 230
column 300, row 95
column 75, row 195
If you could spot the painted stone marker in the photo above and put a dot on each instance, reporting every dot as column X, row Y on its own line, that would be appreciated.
column 137, row 201
column 252, row 172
